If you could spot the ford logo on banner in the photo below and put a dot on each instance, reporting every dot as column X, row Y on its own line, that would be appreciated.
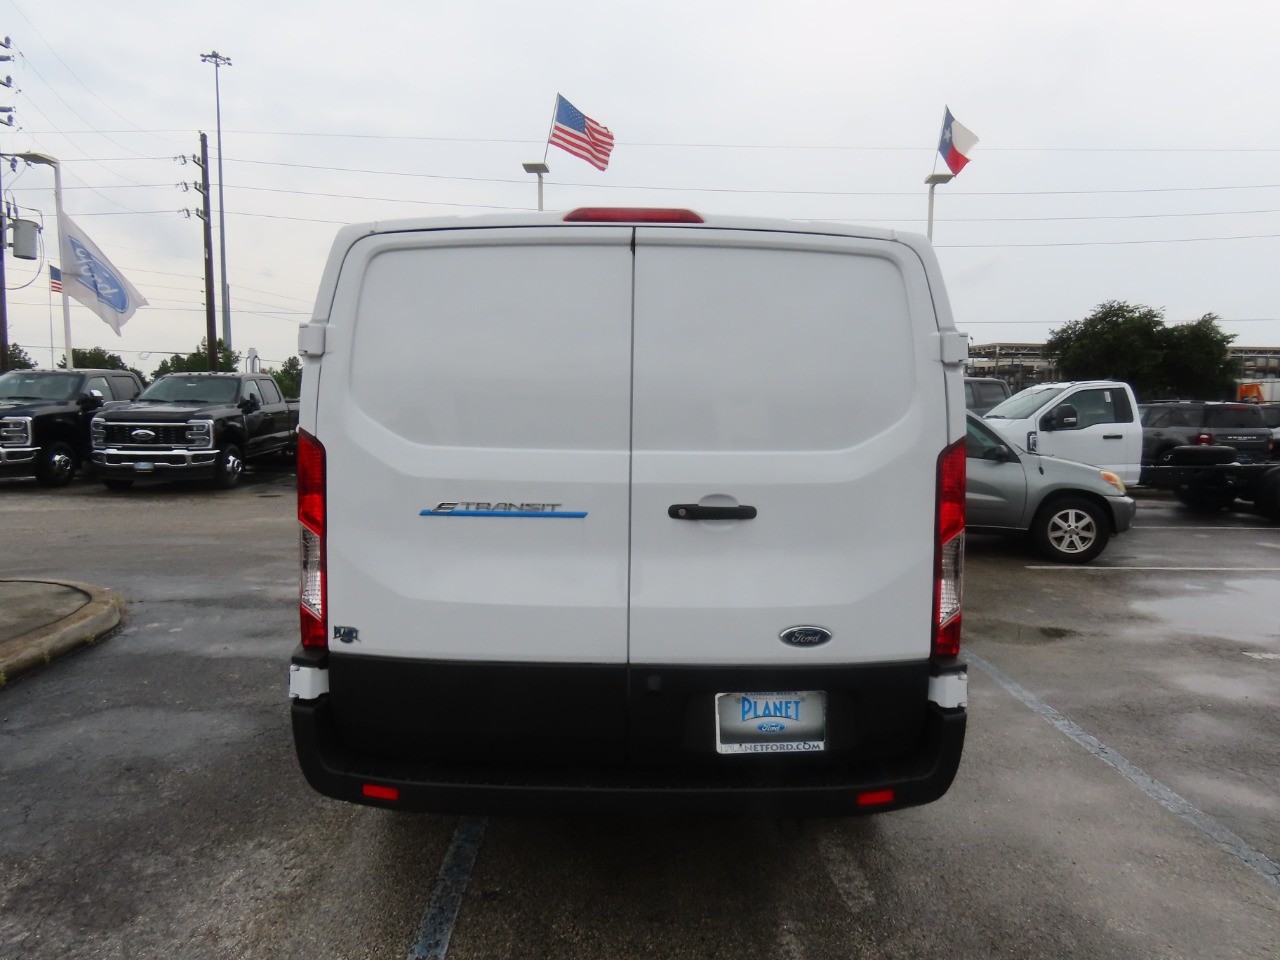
column 94, row 273
column 805, row 636
column 143, row 436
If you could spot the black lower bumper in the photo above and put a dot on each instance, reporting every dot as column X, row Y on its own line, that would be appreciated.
column 906, row 759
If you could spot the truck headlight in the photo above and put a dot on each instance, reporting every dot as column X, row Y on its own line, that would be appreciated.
column 200, row 433
column 97, row 432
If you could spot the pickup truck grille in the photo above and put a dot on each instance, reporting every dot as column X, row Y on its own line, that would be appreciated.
column 135, row 435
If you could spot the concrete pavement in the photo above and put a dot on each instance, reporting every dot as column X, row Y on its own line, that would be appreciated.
column 43, row 619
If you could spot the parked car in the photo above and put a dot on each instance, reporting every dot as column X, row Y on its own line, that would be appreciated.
column 1271, row 414
column 1167, row 424
column 44, row 419
column 1070, row 510
column 194, row 426
column 983, row 393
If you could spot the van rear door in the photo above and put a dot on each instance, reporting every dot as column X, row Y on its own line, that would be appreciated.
column 476, row 422
column 798, row 376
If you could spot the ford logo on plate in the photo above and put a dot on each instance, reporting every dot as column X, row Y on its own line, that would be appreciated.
column 805, row 636
column 771, row 726
column 143, row 435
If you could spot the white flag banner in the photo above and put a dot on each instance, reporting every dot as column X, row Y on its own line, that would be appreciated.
column 89, row 276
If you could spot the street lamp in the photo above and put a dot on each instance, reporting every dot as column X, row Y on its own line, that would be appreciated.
column 66, row 267
column 219, row 61
column 933, row 180
column 539, row 169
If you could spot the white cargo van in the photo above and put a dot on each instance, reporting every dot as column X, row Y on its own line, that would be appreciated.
column 1089, row 421
column 628, row 511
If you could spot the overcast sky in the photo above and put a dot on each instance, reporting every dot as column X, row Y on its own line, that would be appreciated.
column 1127, row 149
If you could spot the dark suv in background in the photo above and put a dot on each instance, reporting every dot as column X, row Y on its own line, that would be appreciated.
column 983, row 393
column 1173, row 423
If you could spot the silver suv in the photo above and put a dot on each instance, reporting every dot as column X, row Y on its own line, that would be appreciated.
column 1173, row 423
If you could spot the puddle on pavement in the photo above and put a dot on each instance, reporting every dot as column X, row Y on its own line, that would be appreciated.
column 1245, row 611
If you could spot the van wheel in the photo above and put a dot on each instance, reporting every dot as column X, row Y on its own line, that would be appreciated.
column 55, row 465
column 1268, row 497
column 1072, row 530
column 230, row 466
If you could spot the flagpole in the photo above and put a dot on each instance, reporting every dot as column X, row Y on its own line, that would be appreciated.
column 550, row 127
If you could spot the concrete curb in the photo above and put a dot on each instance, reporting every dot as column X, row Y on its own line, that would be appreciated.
column 100, row 614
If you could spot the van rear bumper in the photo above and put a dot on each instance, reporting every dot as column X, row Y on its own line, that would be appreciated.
column 917, row 772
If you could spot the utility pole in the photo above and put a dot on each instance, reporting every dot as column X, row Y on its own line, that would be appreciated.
column 4, row 232
column 219, row 61
column 211, row 332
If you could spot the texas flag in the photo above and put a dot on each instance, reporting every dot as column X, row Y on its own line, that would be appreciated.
column 956, row 144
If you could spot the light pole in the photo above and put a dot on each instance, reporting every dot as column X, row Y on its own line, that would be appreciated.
column 219, row 61
column 539, row 169
column 933, row 180
column 67, row 268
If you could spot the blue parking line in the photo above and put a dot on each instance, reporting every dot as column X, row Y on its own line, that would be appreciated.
column 1227, row 841
column 437, row 923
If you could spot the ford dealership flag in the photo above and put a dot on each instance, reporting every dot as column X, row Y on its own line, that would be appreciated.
column 956, row 143
column 91, row 279
column 577, row 133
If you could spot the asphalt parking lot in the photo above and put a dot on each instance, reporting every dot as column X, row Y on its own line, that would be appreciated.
column 1119, row 796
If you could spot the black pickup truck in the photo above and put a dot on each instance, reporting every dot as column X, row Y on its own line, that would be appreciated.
column 194, row 426
column 44, row 419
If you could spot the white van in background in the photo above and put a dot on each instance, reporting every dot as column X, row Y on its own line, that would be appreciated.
column 628, row 511
column 1089, row 421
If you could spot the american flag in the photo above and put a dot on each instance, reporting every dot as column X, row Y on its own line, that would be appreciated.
column 55, row 279
column 578, row 134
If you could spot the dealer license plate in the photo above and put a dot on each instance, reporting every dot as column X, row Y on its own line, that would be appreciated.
column 143, row 466
column 786, row 722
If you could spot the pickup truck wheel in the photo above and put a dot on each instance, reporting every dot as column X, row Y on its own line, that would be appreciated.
column 1071, row 530
column 1268, row 496
column 112, row 483
column 55, row 465
column 1200, row 498
column 230, row 466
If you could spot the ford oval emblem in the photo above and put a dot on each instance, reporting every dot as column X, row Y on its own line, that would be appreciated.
column 805, row 636
column 143, row 435
column 771, row 726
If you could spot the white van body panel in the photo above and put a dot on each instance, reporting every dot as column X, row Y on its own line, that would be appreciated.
column 437, row 393
column 1113, row 446
column 781, row 372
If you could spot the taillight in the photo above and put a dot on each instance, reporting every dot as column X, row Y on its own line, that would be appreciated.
column 312, row 593
column 631, row 215
column 949, row 552
column 1204, row 438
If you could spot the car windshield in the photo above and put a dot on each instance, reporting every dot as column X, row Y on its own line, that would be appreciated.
column 1240, row 415
column 201, row 390
column 30, row 385
column 1024, row 403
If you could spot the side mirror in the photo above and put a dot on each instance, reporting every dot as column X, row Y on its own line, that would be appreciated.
column 1061, row 417
column 91, row 400
column 1000, row 454
column 250, row 404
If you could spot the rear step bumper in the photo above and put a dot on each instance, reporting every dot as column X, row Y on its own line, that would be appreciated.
column 755, row 790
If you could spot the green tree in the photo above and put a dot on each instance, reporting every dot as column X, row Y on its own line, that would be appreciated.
column 1197, row 361
column 96, row 358
column 289, row 377
column 199, row 360
column 18, row 359
column 1118, row 341
column 1122, row 341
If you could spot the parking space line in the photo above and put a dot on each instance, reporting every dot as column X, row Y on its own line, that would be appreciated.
column 1174, row 526
column 1086, row 567
column 1256, row 860
column 446, row 900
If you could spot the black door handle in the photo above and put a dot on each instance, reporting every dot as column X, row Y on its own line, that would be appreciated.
column 1113, row 436
column 695, row 511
